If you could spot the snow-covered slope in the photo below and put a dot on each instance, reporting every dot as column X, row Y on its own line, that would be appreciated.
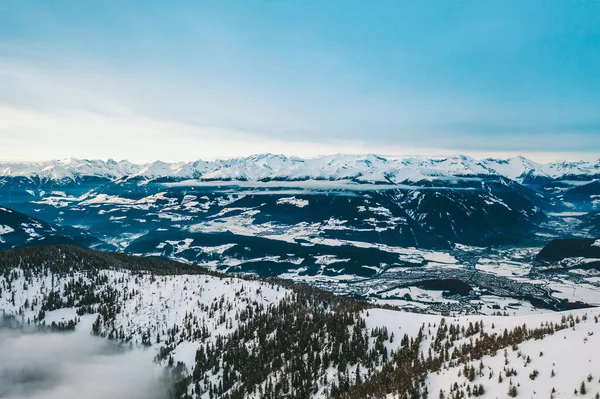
column 360, row 168
column 213, row 329
column 557, row 366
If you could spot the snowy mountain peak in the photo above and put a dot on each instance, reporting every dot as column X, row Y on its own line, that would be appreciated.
column 515, row 167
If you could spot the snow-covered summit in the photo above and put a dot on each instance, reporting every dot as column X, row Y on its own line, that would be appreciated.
column 516, row 167
column 360, row 168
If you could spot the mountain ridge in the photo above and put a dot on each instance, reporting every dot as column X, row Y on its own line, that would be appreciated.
column 368, row 168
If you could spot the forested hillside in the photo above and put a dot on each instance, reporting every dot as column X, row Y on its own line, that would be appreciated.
column 226, row 336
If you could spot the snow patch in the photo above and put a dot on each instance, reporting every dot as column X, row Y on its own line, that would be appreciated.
column 300, row 203
column 4, row 229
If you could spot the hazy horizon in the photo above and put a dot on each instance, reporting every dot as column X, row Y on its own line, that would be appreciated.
column 188, row 80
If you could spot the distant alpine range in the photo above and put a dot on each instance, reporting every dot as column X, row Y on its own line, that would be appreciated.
column 269, row 167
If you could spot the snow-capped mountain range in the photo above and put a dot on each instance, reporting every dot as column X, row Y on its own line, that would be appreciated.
column 359, row 168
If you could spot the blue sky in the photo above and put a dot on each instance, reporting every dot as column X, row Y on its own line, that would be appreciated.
column 191, row 79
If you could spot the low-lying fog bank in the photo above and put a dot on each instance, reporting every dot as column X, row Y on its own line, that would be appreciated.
column 51, row 365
